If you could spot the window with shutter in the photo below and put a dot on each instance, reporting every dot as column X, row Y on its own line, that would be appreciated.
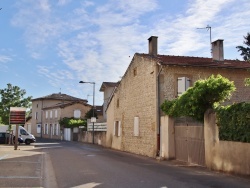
column 183, row 83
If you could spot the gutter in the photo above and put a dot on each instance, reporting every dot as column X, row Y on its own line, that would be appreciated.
column 158, row 111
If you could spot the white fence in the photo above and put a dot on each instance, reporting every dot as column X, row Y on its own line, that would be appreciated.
column 97, row 127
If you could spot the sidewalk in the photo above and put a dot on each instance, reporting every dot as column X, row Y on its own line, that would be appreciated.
column 21, row 167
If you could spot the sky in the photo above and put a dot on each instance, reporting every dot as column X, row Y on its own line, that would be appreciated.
column 48, row 46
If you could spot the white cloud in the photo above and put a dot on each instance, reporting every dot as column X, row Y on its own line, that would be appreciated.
column 5, row 59
column 97, row 42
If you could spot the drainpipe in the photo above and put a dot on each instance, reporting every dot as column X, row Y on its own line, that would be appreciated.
column 158, row 115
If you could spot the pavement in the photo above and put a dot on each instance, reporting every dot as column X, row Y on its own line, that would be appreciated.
column 23, row 166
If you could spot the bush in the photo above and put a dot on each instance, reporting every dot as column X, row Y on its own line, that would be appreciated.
column 234, row 122
column 203, row 95
column 72, row 122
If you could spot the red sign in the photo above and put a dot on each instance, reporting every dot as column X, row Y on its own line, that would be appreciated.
column 17, row 116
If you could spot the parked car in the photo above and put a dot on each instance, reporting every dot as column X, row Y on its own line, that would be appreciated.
column 4, row 138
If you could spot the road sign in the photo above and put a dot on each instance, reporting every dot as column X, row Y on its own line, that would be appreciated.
column 17, row 115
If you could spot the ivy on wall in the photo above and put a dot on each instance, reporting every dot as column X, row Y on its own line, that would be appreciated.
column 205, row 94
column 72, row 122
column 234, row 122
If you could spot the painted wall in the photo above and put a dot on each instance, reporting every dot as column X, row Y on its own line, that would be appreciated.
column 227, row 156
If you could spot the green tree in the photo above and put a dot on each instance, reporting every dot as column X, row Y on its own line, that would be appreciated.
column 89, row 114
column 12, row 96
column 245, row 51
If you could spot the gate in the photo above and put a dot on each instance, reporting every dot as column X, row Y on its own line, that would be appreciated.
column 189, row 141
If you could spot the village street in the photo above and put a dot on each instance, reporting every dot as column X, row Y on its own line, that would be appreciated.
column 73, row 164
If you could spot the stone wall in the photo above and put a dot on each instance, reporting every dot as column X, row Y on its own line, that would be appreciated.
column 227, row 156
column 136, row 97
column 86, row 136
column 170, row 75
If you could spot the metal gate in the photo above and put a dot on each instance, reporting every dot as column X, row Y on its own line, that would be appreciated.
column 189, row 141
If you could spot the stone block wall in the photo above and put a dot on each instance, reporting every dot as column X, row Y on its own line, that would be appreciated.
column 170, row 75
column 136, row 97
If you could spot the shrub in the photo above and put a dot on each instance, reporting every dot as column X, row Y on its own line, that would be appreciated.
column 234, row 122
column 203, row 95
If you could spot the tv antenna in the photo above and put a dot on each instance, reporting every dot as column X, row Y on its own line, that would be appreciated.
column 210, row 31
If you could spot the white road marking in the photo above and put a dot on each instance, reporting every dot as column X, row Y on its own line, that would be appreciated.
column 3, row 157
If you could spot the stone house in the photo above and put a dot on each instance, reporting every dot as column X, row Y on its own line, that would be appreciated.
column 48, row 110
column 134, row 117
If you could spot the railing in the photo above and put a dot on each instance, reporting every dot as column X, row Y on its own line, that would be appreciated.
column 97, row 127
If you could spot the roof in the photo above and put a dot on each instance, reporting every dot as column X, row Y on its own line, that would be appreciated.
column 60, row 96
column 108, row 84
column 198, row 61
column 65, row 104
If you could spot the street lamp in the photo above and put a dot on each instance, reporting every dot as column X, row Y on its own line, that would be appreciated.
column 82, row 82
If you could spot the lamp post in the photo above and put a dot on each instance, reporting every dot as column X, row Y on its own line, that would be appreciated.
column 93, row 129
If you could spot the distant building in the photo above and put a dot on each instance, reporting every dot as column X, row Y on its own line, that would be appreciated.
column 48, row 110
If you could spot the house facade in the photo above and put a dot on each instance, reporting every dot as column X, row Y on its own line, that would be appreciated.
column 48, row 110
column 133, row 113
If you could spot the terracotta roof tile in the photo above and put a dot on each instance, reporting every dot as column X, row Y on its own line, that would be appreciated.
column 198, row 61
column 59, row 96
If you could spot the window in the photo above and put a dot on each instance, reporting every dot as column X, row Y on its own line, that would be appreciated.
column 55, row 113
column 36, row 115
column 135, row 71
column 47, row 129
column 37, row 105
column 77, row 113
column 57, row 129
column 54, row 129
column 50, row 114
column 38, row 128
column 183, row 83
column 117, row 128
column 136, row 126
column 46, row 114
column 117, row 103
column 44, row 128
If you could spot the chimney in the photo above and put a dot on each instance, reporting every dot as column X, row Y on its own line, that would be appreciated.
column 152, row 45
column 217, row 50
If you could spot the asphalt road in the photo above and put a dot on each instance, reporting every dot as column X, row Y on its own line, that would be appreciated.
column 72, row 164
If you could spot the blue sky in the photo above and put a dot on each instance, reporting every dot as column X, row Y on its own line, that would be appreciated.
column 48, row 46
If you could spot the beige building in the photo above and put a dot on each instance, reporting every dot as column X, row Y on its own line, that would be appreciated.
column 107, row 88
column 48, row 110
column 133, row 113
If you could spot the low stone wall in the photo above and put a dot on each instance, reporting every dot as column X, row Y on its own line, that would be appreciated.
column 99, row 138
column 227, row 156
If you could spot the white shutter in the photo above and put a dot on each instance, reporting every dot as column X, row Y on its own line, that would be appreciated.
column 77, row 113
column 46, row 114
column 136, row 126
column 119, row 129
column 181, row 85
column 114, row 129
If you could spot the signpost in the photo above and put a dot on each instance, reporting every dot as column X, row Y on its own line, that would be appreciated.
column 17, row 116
